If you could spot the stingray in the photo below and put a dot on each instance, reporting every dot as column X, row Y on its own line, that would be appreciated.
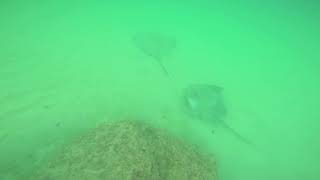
column 205, row 102
column 157, row 46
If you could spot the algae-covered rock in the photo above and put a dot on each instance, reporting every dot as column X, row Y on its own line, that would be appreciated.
column 128, row 150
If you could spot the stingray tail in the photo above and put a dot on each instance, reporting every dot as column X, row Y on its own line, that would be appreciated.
column 164, row 69
column 236, row 134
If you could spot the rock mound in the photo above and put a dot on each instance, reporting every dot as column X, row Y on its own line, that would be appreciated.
column 127, row 150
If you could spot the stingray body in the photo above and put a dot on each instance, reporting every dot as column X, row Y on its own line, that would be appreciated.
column 205, row 102
column 155, row 45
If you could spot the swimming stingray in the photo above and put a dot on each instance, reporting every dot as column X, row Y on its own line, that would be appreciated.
column 205, row 102
column 155, row 45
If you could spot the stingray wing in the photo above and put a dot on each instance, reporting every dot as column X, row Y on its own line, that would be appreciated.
column 206, row 102
column 156, row 45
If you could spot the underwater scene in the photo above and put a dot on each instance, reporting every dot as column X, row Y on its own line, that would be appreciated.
column 159, row 90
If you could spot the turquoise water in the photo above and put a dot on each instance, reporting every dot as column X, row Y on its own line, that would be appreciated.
column 65, row 67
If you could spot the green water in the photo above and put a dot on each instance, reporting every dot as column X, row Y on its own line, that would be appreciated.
column 65, row 67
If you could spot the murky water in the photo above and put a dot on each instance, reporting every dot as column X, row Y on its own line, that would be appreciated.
column 64, row 67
